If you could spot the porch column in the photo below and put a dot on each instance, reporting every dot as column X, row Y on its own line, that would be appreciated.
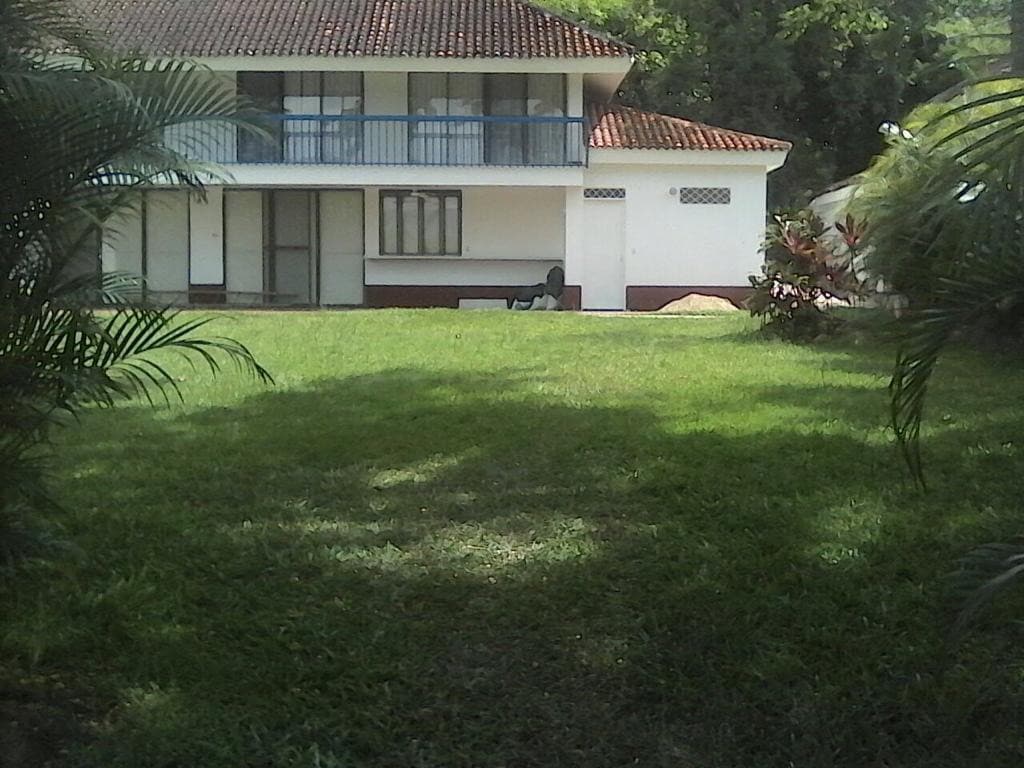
column 371, row 222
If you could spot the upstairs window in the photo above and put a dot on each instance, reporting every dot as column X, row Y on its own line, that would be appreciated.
column 523, row 97
column 310, row 97
column 442, row 95
column 420, row 223
column 323, row 93
column 515, row 141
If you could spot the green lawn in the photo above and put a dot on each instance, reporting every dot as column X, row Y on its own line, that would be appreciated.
column 486, row 540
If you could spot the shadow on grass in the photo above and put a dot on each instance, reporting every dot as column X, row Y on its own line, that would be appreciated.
column 408, row 569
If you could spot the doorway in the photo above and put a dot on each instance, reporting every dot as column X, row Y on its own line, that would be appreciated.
column 290, row 256
column 604, row 246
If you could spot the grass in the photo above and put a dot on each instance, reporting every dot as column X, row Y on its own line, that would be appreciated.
column 482, row 540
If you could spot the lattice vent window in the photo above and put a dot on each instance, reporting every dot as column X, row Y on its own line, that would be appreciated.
column 705, row 196
column 604, row 193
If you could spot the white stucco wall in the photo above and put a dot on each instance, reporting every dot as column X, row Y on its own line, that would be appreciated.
column 270, row 175
column 455, row 271
column 510, row 236
column 512, row 223
column 386, row 93
column 671, row 243
column 572, row 204
column 574, row 94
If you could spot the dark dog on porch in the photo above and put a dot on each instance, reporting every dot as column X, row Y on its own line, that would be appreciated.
column 546, row 295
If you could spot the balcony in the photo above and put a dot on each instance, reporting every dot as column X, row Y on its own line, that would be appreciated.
column 392, row 140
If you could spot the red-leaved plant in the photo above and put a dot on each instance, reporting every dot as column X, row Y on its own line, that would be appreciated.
column 806, row 274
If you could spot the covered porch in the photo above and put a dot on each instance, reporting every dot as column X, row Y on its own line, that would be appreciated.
column 344, row 247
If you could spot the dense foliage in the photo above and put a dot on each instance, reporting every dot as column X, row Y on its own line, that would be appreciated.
column 946, row 201
column 821, row 73
column 946, row 208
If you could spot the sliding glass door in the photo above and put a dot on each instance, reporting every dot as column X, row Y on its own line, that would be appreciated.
column 515, row 141
column 526, row 141
column 506, row 97
column 546, row 142
column 441, row 95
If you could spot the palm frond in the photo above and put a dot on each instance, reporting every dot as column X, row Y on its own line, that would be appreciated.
column 946, row 228
column 132, row 334
column 97, row 289
column 90, row 132
column 36, row 26
column 82, row 134
column 985, row 286
column 982, row 575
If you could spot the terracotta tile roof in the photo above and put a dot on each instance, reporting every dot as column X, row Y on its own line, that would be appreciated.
column 442, row 28
column 617, row 127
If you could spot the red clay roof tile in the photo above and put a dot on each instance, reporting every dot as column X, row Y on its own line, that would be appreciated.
column 427, row 28
column 618, row 127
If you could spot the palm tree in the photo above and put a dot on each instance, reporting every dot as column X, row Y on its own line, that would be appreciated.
column 82, row 132
column 955, row 214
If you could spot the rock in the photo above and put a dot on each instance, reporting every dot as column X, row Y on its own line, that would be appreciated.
column 698, row 303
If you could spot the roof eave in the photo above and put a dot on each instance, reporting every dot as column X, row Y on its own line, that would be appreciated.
column 769, row 159
column 590, row 65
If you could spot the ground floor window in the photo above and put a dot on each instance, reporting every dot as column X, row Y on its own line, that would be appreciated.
column 420, row 223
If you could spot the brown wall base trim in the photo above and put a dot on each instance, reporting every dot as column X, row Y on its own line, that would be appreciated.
column 207, row 294
column 378, row 296
column 646, row 298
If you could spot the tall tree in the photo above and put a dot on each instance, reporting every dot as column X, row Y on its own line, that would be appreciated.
column 821, row 73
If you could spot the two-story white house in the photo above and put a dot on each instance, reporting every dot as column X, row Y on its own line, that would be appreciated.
column 428, row 152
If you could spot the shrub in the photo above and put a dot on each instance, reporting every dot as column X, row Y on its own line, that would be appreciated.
column 805, row 274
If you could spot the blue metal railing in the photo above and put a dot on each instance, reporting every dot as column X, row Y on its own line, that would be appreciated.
column 391, row 140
